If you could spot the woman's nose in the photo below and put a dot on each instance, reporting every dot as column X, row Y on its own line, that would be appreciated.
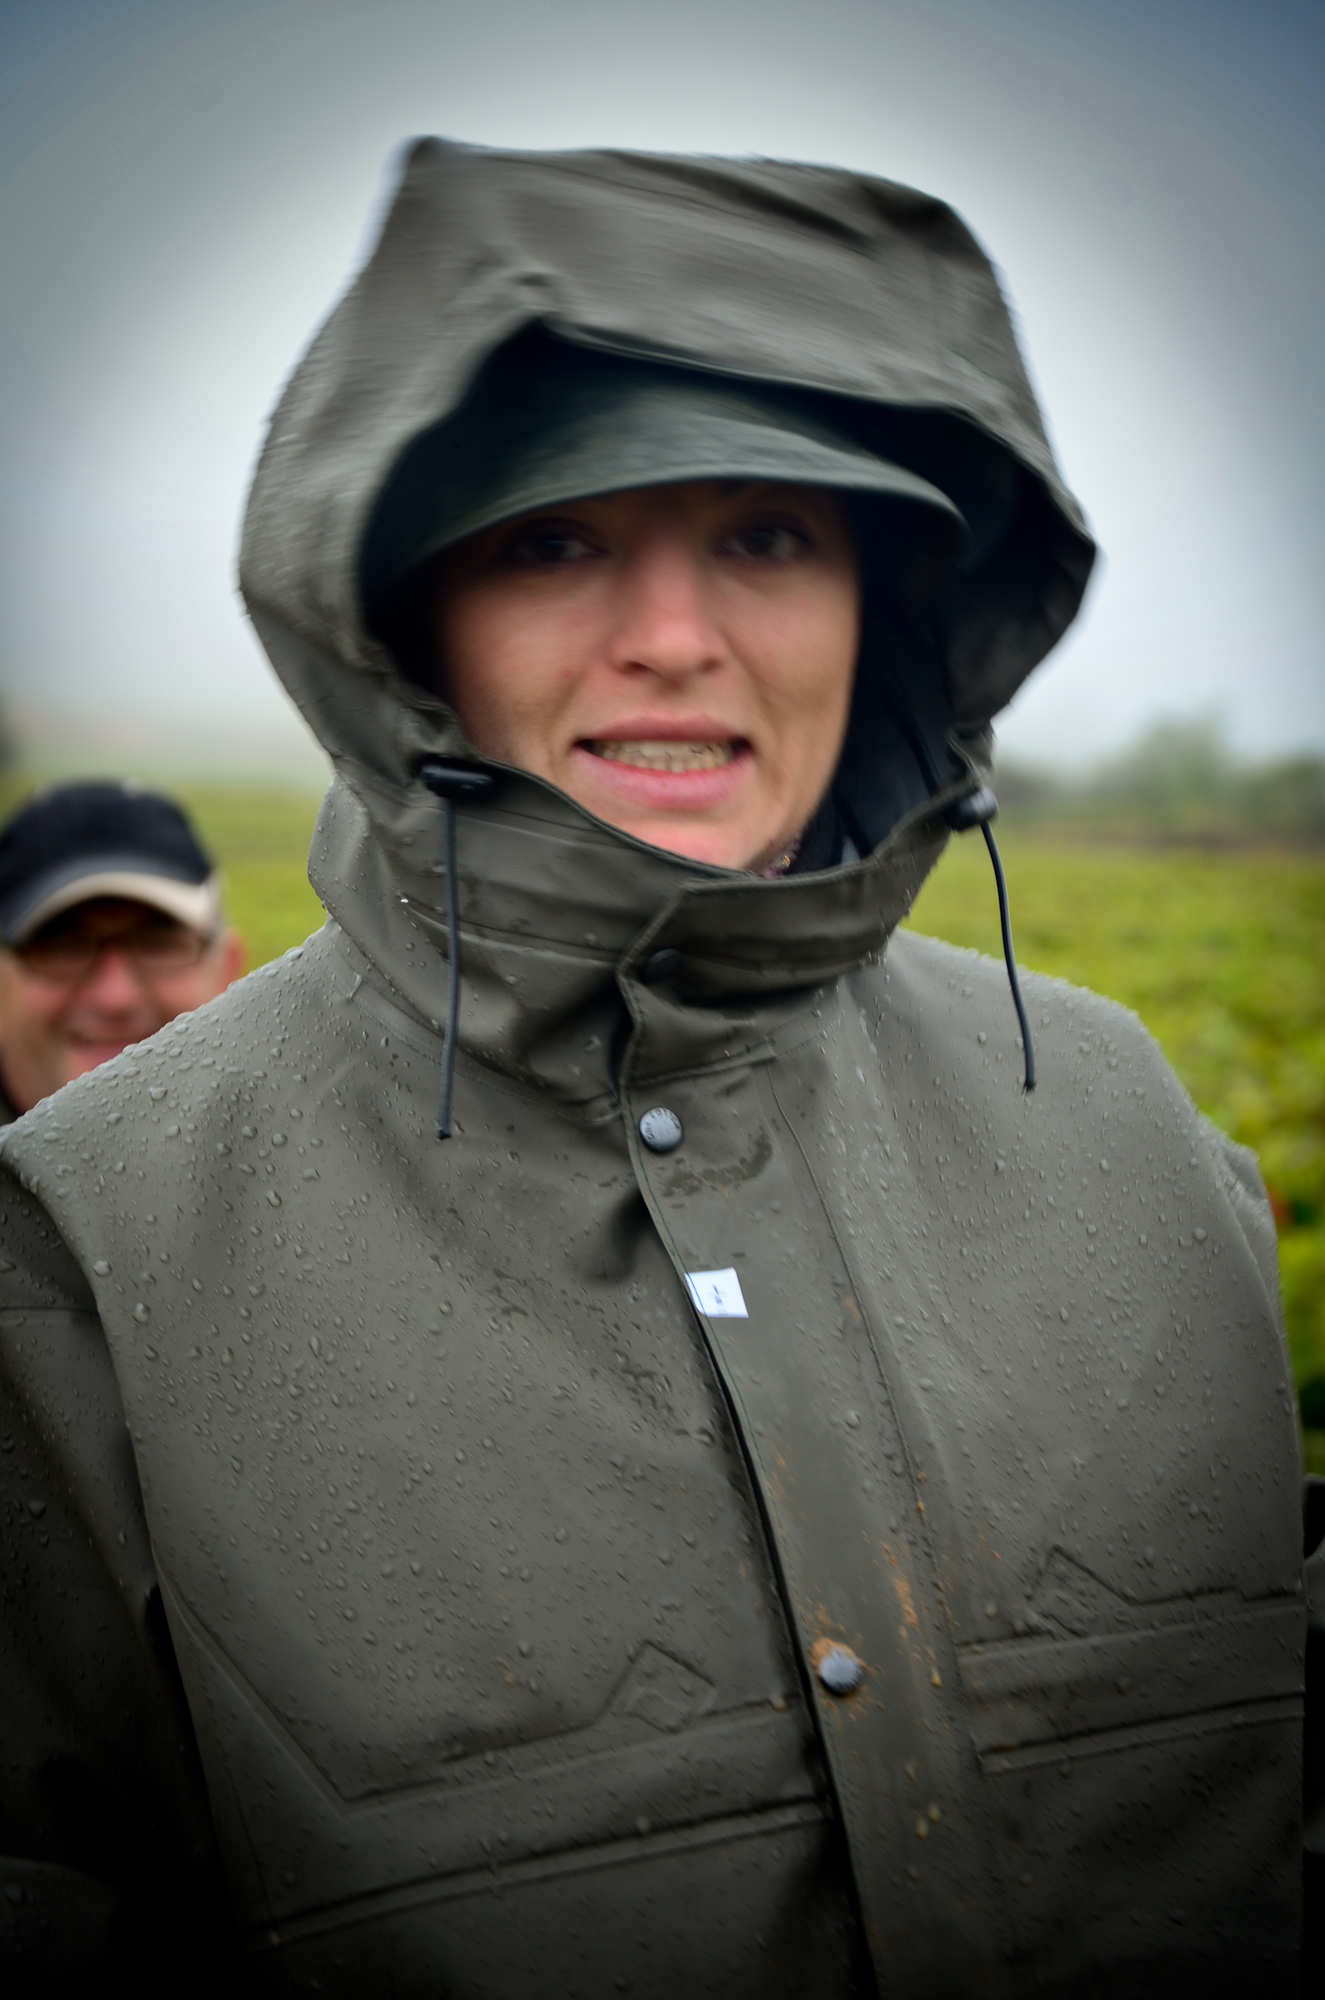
column 665, row 621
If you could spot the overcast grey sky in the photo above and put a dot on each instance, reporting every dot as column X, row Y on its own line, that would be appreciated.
column 184, row 188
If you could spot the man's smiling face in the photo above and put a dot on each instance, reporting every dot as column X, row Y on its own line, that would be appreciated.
column 99, row 976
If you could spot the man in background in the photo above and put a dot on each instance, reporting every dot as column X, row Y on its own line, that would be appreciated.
column 110, row 926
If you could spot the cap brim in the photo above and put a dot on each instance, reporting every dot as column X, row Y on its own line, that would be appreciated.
column 725, row 449
column 197, row 905
column 614, row 432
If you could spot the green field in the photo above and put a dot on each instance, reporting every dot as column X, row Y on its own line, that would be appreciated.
column 1221, row 954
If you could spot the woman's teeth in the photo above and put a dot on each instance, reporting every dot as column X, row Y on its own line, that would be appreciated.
column 667, row 756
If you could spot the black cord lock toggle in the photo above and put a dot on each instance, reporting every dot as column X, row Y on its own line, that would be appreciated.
column 453, row 784
column 462, row 784
column 976, row 809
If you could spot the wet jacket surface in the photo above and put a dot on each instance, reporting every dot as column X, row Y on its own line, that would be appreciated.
column 389, row 1531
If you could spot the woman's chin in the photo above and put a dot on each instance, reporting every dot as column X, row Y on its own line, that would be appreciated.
column 719, row 846
column 709, row 845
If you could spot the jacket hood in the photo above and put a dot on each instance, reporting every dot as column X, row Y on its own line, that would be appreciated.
column 862, row 292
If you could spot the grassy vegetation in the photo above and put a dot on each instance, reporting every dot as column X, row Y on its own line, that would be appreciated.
column 1221, row 954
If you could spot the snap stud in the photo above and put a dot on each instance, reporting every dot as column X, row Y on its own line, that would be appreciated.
column 661, row 1130
column 840, row 1670
column 660, row 965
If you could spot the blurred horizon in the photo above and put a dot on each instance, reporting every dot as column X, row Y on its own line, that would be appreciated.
column 187, row 185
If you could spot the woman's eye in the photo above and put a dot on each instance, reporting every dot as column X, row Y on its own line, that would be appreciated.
column 771, row 542
column 544, row 548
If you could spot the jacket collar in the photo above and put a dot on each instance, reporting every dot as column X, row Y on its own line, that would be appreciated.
column 560, row 916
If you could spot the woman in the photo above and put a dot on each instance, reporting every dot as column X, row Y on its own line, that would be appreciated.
column 767, row 1506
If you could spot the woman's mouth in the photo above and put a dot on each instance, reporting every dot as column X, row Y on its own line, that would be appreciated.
column 662, row 754
column 665, row 775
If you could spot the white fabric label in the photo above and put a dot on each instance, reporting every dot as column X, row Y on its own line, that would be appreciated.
column 717, row 1294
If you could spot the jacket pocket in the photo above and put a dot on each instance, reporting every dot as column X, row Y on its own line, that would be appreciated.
column 1141, row 1793
column 1059, row 1692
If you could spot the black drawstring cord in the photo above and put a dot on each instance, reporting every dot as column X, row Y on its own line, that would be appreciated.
column 450, row 782
column 1009, row 957
column 977, row 808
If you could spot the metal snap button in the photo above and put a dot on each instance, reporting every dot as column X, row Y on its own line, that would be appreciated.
column 840, row 1670
column 660, row 965
column 661, row 1130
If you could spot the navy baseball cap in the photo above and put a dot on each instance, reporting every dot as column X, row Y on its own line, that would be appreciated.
column 71, row 843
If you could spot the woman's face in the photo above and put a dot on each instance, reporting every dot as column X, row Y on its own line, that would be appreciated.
column 679, row 659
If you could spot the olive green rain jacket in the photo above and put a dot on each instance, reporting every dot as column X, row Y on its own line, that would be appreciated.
column 389, row 1531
